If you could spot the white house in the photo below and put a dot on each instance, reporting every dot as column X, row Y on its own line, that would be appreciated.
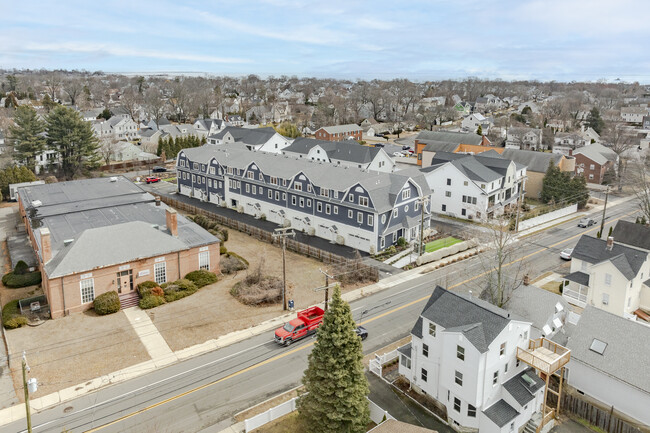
column 463, row 353
column 634, row 114
column 474, row 186
column 608, row 275
column 524, row 138
column 49, row 158
column 262, row 139
column 125, row 151
column 117, row 127
column 609, row 362
column 473, row 121
column 344, row 153
column 206, row 127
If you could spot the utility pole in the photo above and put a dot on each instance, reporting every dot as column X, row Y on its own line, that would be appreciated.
column 602, row 223
column 521, row 189
column 327, row 285
column 26, row 386
column 283, row 233
column 423, row 201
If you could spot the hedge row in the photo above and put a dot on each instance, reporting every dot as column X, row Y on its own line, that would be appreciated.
column 11, row 317
column 14, row 280
column 107, row 303
column 202, row 277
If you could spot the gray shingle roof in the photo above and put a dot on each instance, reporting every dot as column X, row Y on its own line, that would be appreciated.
column 523, row 390
column 478, row 320
column 246, row 135
column 438, row 146
column 380, row 186
column 405, row 350
column 417, row 328
column 535, row 161
column 535, row 305
column 578, row 277
column 597, row 153
column 626, row 259
column 347, row 150
column 471, row 166
column 628, row 346
column 501, row 413
column 70, row 209
column 450, row 137
column 336, row 129
column 635, row 235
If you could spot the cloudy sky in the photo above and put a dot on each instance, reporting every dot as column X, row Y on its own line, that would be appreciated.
column 540, row 39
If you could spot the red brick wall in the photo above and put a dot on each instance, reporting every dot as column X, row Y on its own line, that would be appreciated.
column 597, row 173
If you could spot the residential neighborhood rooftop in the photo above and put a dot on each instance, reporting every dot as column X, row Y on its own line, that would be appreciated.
column 626, row 259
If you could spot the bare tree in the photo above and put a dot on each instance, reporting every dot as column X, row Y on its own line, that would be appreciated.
column 53, row 85
column 639, row 171
column 130, row 100
column 73, row 88
column 503, row 268
column 154, row 104
column 620, row 142
column 107, row 149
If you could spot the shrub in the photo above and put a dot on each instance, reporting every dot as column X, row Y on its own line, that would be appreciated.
column 107, row 303
column 237, row 256
column 11, row 317
column 223, row 250
column 231, row 264
column 401, row 242
column 145, row 287
column 151, row 301
column 14, row 281
column 157, row 291
column 268, row 290
column 21, row 268
column 201, row 277
column 179, row 289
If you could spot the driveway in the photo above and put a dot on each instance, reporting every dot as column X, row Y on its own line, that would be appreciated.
column 402, row 407
column 569, row 425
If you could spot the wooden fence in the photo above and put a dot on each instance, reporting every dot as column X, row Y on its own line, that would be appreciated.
column 266, row 236
column 131, row 164
column 604, row 418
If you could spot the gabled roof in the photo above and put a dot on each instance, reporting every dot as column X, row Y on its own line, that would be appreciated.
column 534, row 161
column 479, row 321
column 523, row 386
column 635, row 235
column 246, row 135
column 338, row 129
column 347, row 150
column 625, row 356
column 535, row 305
column 473, row 167
column 626, row 259
column 450, row 137
column 597, row 153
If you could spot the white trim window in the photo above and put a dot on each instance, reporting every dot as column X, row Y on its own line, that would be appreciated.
column 160, row 272
column 363, row 201
column 406, row 194
column 87, row 287
column 204, row 260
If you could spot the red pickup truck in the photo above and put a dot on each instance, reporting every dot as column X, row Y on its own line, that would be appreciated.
column 305, row 324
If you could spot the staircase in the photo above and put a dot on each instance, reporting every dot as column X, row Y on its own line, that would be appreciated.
column 128, row 300
column 533, row 423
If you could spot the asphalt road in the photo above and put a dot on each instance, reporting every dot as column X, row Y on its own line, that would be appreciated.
column 202, row 394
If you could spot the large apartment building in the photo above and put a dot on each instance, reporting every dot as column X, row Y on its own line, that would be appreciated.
column 362, row 209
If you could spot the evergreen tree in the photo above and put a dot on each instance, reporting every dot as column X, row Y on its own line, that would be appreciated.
column 594, row 120
column 73, row 139
column 335, row 384
column 105, row 114
column 558, row 186
column 479, row 130
column 27, row 136
column 48, row 103
column 204, row 140
column 160, row 146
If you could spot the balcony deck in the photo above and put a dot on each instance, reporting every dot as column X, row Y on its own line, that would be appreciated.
column 544, row 355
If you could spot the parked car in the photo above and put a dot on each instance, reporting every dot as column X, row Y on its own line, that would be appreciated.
column 586, row 222
column 398, row 154
column 361, row 332
column 405, row 147
column 305, row 324
column 159, row 169
column 566, row 254
column 151, row 179
column 379, row 144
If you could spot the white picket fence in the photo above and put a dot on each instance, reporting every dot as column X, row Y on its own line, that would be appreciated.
column 526, row 224
column 377, row 414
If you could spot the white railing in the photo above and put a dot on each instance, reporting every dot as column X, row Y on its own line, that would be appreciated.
column 377, row 363
column 377, row 414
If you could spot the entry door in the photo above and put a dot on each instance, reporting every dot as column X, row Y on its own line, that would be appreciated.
column 125, row 281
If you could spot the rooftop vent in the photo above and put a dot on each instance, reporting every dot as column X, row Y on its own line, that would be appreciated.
column 37, row 203
column 113, row 179
column 67, row 242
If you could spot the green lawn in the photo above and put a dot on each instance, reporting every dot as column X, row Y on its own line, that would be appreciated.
column 440, row 243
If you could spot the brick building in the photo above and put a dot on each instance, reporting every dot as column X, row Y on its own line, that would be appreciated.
column 339, row 132
column 451, row 139
column 93, row 236
column 593, row 161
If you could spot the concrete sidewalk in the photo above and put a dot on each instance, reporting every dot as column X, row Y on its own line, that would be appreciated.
column 151, row 339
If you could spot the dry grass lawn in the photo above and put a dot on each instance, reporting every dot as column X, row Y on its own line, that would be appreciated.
column 213, row 311
column 71, row 350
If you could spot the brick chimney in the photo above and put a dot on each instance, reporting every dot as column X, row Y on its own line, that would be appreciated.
column 172, row 222
column 610, row 243
column 46, row 245
column 157, row 200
